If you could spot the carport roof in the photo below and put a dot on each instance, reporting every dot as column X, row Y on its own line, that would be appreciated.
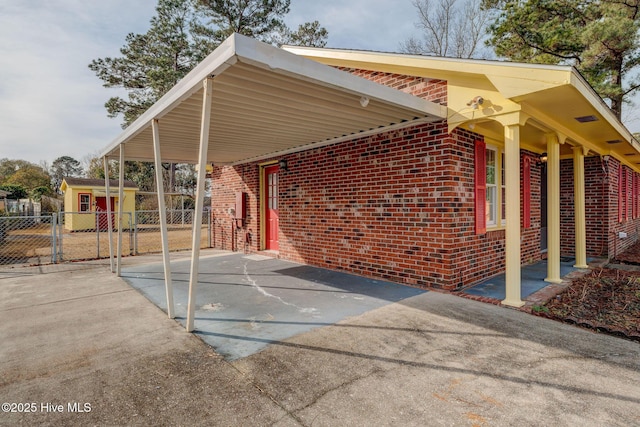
column 265, row 101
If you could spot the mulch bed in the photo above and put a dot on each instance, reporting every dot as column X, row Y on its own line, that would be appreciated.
column 630, row 256
column 606, row 299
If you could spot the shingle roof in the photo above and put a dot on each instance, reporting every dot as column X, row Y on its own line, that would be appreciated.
column 92, row 182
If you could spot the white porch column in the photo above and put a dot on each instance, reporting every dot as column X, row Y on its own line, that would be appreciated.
column 207, row 97
column 512, row 196
column 107, row 190
column 553, row 209
column 579, row 206
column 120, row 208
column 168, row 285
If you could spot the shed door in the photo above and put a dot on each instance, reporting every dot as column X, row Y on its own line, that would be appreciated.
column 271, row 207
column 101, row 213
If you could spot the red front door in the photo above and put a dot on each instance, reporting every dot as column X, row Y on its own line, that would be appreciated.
column 101, row 213
column 271, row 207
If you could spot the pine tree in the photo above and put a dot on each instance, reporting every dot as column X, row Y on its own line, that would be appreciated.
column 600, row 38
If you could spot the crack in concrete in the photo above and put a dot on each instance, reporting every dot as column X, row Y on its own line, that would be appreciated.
column 260, row 289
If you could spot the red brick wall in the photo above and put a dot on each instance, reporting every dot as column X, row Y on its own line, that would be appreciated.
column 628, row 225
column 225, row 183
column 601, row 205
column 397, row 206
column 530, row 237
column 596, row 208
column 596, row 217
column 429, row 89
column 567, row 223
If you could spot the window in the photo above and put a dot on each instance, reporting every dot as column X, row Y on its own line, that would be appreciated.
column 489, row 187
column 503, row 192
column 84, row 203
column 492, row 186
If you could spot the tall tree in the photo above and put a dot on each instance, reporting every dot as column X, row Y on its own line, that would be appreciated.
column 260, row 19
column 62, row 167
column 453, row 28
column 309, row 34
column 151, row 63
column 599, row 37
column 183, row 33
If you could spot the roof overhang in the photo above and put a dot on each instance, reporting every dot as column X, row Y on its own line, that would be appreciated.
column 266, row 101
column 552, row 96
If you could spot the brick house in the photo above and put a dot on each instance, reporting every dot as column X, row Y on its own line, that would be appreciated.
column 433, row 172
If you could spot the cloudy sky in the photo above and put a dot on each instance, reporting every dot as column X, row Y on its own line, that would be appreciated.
column 52, row 105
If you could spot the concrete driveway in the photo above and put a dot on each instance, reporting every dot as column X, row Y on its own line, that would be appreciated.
column 74, row 334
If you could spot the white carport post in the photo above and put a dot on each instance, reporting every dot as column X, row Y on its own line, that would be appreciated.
column 107, row 190
column 163, row 219
column 120, row 207
column 207, row 97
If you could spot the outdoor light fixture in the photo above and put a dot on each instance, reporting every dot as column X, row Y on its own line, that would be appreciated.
column 543, row 158
column 284, row 166
column 364, row 101
column 476, row 102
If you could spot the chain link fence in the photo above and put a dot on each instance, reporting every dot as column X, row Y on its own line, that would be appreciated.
column 72, row 236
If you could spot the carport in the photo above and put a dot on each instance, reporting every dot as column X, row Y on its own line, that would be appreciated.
column 248, row 101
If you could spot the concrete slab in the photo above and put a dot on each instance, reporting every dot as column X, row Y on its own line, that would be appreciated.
column 245, row 302
column 532, row 280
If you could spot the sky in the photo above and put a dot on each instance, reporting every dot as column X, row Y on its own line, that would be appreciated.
column 52, row 105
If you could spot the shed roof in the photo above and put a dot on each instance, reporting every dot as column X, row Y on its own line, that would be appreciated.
column 265, row 100
column 97, row 183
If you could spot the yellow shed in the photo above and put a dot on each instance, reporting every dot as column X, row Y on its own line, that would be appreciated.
column 86, row 198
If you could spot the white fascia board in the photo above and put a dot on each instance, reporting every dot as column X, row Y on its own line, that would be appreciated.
column 406, row 59
column 218, row 61
column 266, row 56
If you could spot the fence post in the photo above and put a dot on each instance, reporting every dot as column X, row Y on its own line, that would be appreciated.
column 130, row 234
column 98, row 234
column 60, row 238
column 135, row 232
column 209, row 228
column 54, row 244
